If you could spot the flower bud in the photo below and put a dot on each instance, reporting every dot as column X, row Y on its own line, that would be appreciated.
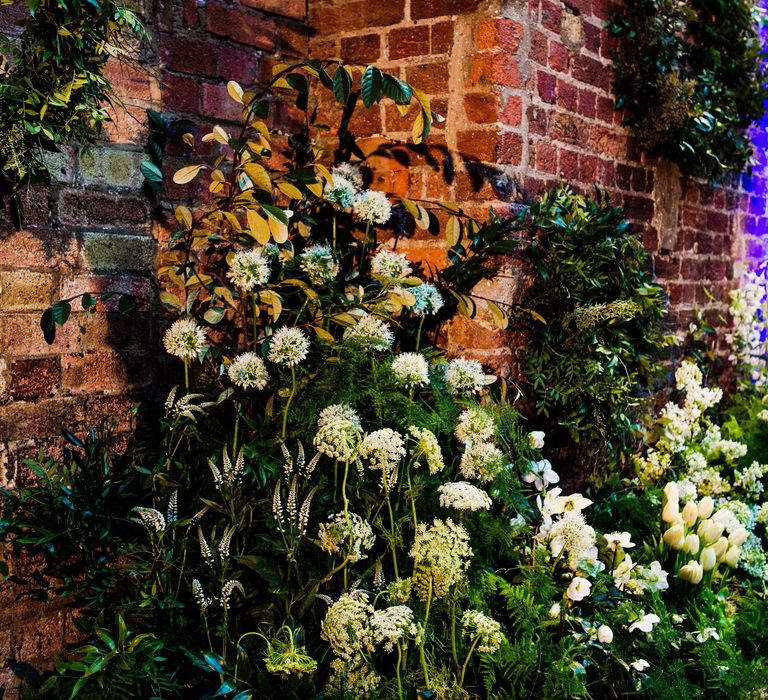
column 671, row 512
column 671, row 492
column 738, row 537
column 604, row 634
column 708, row 558
column 732, row 556
column 706, row 506
column 675, row 536
column 692, row 572
column 720, row 547
column 690, row 513
column 710, row 531
column 692, row 544
column 554, row 611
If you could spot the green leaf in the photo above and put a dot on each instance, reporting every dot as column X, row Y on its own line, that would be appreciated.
column 48, row 326
column 397, row 90
column 60, row 311
column 371, row 85
column 151, row 172
column 342, row 85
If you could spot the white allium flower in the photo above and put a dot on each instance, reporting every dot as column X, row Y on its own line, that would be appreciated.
column 390, row 625
column 349, row 172
column 428, row 299
column 475, row 424
column 476, row 624
column 338, row 411
column 616, row 540
column 352, row 539
column 383, row 449
column 578, row 589
column 390, row 266
column 185, row 339
column 462, row 495
column 372, row 207
column 338, row 439
column 288, row 346
column 645, row 623
column 249, row 269
column 319, row 264
column 541, row 474
column 342, row 193
column 371, row 333
column 572, row 534
column 151, row 518
column 248, row 371
column 465, row 376
column 441, row 555
column 427, row 447
column 410, row 369
column 536, row 438
column 482, row 461
column 346, row 624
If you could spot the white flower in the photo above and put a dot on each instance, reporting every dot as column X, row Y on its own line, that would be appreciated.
column 554, row 611
column 654, row 577
column 392, row 624
column 536, row 439
column 428, row 299
column 614, row 540
column 475, row 424
column 463, row 496
column 692, row 572
column 572, row 535
column 645, row 623
column 477, row 625
column 384, row 449
column 249, row 269
column 390, row 266
column 410, row 369
column 573, row 503
column 441, row 555
column 151, row 518
column 338, row 439
column 578, row 589
column 541, row 474
column 604, row 634
column 338, row 411
column 372, row 207
column 319, row 264
column 342, row 193
column 640, row 665
column 349, row 172
column 248, row 371
column 346, row 624
column 371, row 333
column 482, row 461
column 185, row 339
column 428, row 447
column 352, row 538
column 288, row 346
column 465, row 376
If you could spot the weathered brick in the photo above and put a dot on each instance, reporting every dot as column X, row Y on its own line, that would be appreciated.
column 431, row 78
column 88, row 208
column 112, row 168
column 351, row 16
column 547, row 87
column 106, row 372
column 365, row 48
column 499, row 32
column 113, row 251
column 500, row 69
column 481, row 108
column 424, row 9
column 238, row 64
column 52, row 248
column 441, row 37
column 239, row 26
column 295, row 9
column 23, row 290
column 408, row 41
column 185, row 55
column 35, row 378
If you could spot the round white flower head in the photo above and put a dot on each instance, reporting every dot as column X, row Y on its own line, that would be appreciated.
column 345, row 626
column 390, row 625
column 319, row 264
column 383, row 449
column 645, row 623
column 372, row 207
column 477, row 625
column 482, row 461
column 248, row 371
column 390, row 266
column 604, row 634
column 338, row 411
column 463, row 496
column 370, row 333
column 338, row 439
column 343, row 192
column 352, row 538
column 410, row 369
column 349, row 172
column 185, row 339
column 475, row 424
column 465, row 376
column 578, row 589
column 249, row 269
column 536, row 438
column 541, row 474
column 427, row 447
column 616, row 540
column 572, row 534
column 428, row 299
column 441, row 555
column 288, row 346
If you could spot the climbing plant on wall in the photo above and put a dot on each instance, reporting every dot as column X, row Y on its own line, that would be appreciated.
column 691, row 76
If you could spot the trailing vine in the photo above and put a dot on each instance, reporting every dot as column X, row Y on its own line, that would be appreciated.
column 691, row 76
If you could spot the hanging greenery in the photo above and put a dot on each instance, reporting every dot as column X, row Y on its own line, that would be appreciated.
column 52, row 84
column 691, row 76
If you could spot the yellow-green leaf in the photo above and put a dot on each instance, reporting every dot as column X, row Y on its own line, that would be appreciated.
column 258, row 226
column 258, row 175
column 235, row 91
column 422, row 220
column 499, row 316
column 170, row 300
column 279, row 230
column 290, row 190
column 323, row 334
column 187, row 174
column 453, row 231
column 410, row 207
column 184, row 216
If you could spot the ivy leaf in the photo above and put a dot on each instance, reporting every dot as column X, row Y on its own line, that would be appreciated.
column 342, row 85
column 371, row 85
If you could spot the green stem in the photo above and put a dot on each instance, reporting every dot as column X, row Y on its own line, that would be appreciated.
column 453, row 630
column 255, row 321
column 418, row 334
column 391, row 521
column 237, row 427
column 422, row 655
column 186, row 376
column 466, row 661
column 397, row 671
column 334, row 231
column 413, row 502
column 288, row 403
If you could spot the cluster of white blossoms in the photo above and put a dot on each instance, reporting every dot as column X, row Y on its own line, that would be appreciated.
column 428, row 448
column 750, row 479
column 478, row 625
column 390, row 267
column 482, row 461
column 249, row 269
column 353, row 537
column 347, row 182
column 248, row 371
column 372, row 207
column 383, row 449
column 390, row 625
column 151, row 518
column 570, row 534
column 428, row 299
column 475, row 424
column 288, row 346
column 319, row 264
column 463, row 496
column 410, row 369
column 465, row 377
column 338, row 438
column 541, row 474
column 336, row 412
column 355, row 679
column 185, row 339
column 441, row 555
column 345, row 626
column 370, row 333
column 749, row 311
column 634, row 578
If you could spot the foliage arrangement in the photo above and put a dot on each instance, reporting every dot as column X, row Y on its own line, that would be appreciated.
column 52, row 84
column 691, row 76
column 596, row 338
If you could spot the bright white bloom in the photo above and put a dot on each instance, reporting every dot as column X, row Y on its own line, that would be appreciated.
column 428, row 299
column 410, row 369
column 463, row 496
column 554, row 611
column 185, row 339
column 249, row 269
column 654, row 578
column 390, row 625
column 338, row 411
column 749, row 312
column 372, row 207
column 441, row 555
column 202, row 600
column 248, row 371
column 342, row 193
column 338, row 439
column 477, row 625
column 604, row 634
column 692, row 572
column 566, row 504
column 645, row 623
column 749, row 480
column 465, row 376
column 370, row 333
column 390, row 266
column 151, row 518
column 383, row 449
column 427, row 447
column 318, row 263
column 572, row 534
column 536, row 438
column 352, row 538
column 616, row 540
column 578, row 589
column 352, row 678
column 346, row 624
column 475, row 424
column 288, row 346
column 640, row 665
column 541, row 474
column 349, row 172
column 482, row 461
column 622, row 574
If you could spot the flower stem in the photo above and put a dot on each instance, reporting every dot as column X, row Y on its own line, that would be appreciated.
column 288, row 403
column 391, row 521
column 397, row 671
column 418, row 334
column 453, row 630
column 186, row 377
column 413, row 502
column 422, row 655
column 334, row 231
column 255, row 321
column 466, row 661
column 237, row 427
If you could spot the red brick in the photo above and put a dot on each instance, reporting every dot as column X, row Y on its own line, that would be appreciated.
column 352, row 16
column 409, row 41
column 481, row 108
column 294, row 43
column 180, row 94
column 54, row 248
column 423, row 9
column 441, row 37
column 510, row 148
column 296, row 9
column 431, row 78
column 88, row 208
column 129, row 83
column 559, row 57
column 34, row 379
column 512, row 114
column 569, row 164
column 551, row 14
column 240, row 26
column 587, row 103
column 238, row 64
column 495, row 33
column 546, row 157
column 592, row 34
column 365, row 48
column 547, row 87
column 605, row 109
column 189, row 56
column 110, row 372
column 499, row 70
column 478, row 144
column 539, row 47
column 567, row 95
column 590, row 71
column 215, row 102
column 588, row 169
column 189, row 14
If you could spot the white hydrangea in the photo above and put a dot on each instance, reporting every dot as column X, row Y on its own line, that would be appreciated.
column 288, row 346
column 383, row 449
column 441, row 555
column 249, row 269
column 465, row 376
column 371, row 333
column 390, row 266
column 410, row 369
column 482, row 461
column 428, row 299
column 248, row 371
column 372, row 207
column 346, row 624
column 477, row 625
column 427, row 447
column 475, row 424
column 352, row 538
column 319, row 264
column 749, row 479
column 185, row 339
column 338, row 439
column 462, row 495
column 390, row 625
column 338, row 411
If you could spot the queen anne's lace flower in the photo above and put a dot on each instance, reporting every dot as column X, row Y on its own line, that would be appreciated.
column 441, row 555
column 288, row 346
column 352, row 538
column 390, row 625
column 338, row 439
column 372, row 207
column 482, row 461
column 371, row 333
column 354, row 679
column 319, row 264
column 390, row 266
column 249, row 269
column 248, row 371
column 463, row 496
column 428, row 299
column 465, row 376
column 427, row 447
column 338, row 411
column 477, row 625
column 346, row 624
column 383, row 449
column 185, row 339
column 410, row 369
column 475, row 424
